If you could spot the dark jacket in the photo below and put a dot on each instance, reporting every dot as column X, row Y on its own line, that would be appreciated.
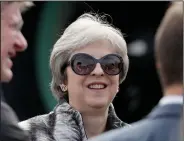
column 10, row 131
column 64, row 124
column 162, row 124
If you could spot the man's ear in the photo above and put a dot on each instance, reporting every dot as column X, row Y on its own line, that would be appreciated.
column 158, row 65
column 118, row 90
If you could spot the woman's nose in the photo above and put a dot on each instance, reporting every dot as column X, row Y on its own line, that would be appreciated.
column 98, row 70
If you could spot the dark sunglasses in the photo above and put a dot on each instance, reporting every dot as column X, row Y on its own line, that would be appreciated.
column 84, row 64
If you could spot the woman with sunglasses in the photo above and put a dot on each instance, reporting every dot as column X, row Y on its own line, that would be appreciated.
column 88, row 63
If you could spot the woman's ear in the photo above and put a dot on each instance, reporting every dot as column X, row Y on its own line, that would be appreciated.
column 118, row 89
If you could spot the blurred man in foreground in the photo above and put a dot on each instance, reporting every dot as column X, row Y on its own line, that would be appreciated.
column 12, row 41
column 163, row 123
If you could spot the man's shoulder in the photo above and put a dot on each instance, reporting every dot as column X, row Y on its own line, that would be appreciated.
column 7, row 113
column 130, row 133
column 143, row 130
column 9, row 125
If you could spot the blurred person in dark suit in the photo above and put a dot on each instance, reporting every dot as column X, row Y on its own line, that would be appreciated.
column 163, row 123
column 12, row 41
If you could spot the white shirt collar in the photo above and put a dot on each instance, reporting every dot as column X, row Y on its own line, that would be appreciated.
column 171, row 99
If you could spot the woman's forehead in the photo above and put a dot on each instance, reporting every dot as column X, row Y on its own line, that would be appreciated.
column 97, row 49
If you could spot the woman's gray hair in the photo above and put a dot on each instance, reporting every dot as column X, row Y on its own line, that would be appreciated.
column 85, row 30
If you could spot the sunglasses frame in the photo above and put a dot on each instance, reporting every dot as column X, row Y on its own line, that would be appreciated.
column 95, row 62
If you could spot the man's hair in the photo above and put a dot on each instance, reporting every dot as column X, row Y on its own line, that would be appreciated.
column 169, row 46
column 24, row 5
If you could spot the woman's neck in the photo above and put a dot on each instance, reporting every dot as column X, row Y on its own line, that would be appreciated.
column 95, row 124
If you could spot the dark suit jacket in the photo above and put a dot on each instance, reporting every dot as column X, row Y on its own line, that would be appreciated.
column 162, row 124
column 10, row 130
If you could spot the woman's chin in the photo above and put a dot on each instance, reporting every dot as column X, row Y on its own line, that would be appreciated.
column 98, row 104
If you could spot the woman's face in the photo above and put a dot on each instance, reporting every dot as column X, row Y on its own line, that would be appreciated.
column 88, row 91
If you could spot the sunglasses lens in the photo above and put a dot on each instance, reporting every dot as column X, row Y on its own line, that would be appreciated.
column 112, row 64
column 82, row 64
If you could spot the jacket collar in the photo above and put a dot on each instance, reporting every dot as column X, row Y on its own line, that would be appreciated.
column 113, row 121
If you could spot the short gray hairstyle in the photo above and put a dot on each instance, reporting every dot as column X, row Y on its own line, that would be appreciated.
column 87, row 29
